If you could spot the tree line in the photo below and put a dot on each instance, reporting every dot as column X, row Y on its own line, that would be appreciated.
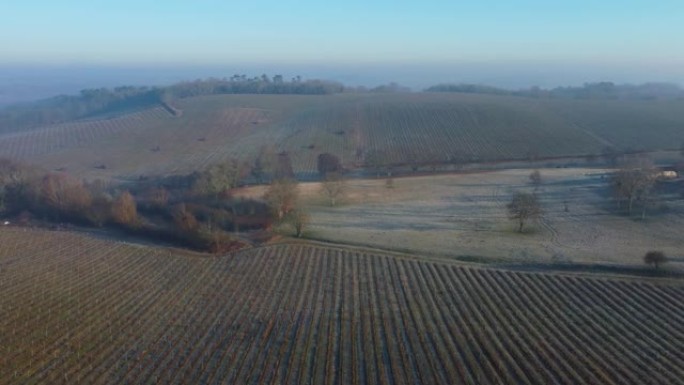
column 591, row 91
column 200, row 212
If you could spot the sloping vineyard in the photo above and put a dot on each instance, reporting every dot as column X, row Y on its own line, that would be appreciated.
column 142, row 143
column 65, row 136
column 428, row 129
column 628, row 125
column 361, row 129
column 76, row 309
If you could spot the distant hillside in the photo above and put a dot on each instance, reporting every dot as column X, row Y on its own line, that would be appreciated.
column 92, row 102
column 589, row 91
column 374, row 131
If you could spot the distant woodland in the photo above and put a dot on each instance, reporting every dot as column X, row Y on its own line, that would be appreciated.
column 590, row 91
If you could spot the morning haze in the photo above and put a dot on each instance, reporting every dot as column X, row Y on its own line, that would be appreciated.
column 82, row 44
column 385, row 192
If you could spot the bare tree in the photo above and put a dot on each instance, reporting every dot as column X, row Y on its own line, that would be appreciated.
column 185, row 220
column 158, row 197
column 535, row 179
column 523, row 207
column 282, row 196
column 634, row 181
column 655, row 258
column 333, row 187
column 299, row 220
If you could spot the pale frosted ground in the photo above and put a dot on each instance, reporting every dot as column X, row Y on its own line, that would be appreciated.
column 465, row 215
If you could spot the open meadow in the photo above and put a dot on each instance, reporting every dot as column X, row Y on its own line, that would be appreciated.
column 81, row 310
column 464, row 216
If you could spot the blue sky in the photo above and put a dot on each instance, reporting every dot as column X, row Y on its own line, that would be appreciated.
column 629, row 35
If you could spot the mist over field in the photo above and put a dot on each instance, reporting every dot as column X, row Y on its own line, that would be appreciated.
column 357, row 192
column 23, row 83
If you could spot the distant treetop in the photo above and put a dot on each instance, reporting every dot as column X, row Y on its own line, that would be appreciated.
column 594, row 91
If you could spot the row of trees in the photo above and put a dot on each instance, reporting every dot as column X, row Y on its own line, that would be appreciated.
column 594, row 91
column 241, row 84
column 60, row 197
column 200, row 214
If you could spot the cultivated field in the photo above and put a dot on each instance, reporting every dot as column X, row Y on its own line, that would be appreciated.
column 145, row 143
column 75, row 309
column 420, row 128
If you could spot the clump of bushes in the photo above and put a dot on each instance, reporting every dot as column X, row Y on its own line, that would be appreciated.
column 185, row 214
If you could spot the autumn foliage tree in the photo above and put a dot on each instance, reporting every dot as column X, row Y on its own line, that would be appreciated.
column 65, row 195
column 124, row 210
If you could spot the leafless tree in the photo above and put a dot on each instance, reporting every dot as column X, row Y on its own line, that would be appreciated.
column 523, row 207
column 282, row 196
column 535, row 179
column 634, row 181
column 333, row 187
column 185, row 220
column 299, row 219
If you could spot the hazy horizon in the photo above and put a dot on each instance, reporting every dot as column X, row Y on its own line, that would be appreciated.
column 33, row 82
column 50, row 48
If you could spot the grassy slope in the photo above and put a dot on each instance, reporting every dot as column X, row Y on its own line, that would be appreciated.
column 452, row 216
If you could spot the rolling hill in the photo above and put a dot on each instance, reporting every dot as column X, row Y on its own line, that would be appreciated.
column 419, row 129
